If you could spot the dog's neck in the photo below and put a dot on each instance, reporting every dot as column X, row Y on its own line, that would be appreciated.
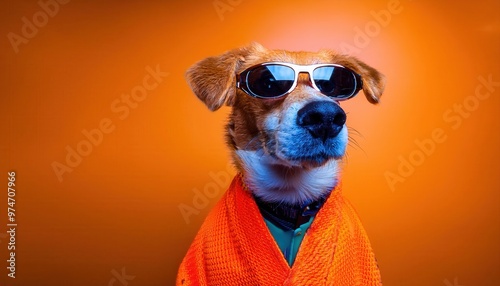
column 290, row 217
column 289, row 185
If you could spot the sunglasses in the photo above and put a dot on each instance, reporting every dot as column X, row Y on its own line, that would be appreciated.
column 276, row 79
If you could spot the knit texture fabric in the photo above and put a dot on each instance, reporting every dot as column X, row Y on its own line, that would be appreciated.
column 235, row 247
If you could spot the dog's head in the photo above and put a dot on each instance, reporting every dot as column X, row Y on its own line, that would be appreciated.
column 286, row 130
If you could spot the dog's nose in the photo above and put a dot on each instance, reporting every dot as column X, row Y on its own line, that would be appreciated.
column 323, row 119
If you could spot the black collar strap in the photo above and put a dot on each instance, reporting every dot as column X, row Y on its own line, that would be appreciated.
column 289, row 217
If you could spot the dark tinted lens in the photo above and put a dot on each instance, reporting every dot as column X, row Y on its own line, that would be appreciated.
column 270, row 80
column 335, row 81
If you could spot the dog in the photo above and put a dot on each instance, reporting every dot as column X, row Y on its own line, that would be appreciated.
column 283, row 220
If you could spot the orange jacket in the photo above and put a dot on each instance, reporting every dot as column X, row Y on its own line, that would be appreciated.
column 235, row 247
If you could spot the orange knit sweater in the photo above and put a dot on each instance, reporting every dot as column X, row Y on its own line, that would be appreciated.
column 235, row 247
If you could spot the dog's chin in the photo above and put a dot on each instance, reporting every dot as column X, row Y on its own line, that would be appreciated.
column 301, row 150
column 305, row 162
column 313, row 164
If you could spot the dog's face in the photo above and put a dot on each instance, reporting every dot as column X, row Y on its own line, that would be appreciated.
column 288, row 147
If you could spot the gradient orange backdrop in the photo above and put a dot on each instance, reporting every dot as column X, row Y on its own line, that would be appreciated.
column 118, row 210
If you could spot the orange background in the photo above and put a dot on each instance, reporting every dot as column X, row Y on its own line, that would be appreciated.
column 119, row 207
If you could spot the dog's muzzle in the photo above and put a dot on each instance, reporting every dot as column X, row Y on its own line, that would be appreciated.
column 323, row 119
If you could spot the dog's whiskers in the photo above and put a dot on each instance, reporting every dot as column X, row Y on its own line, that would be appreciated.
column 250, row 144
column 352, row 141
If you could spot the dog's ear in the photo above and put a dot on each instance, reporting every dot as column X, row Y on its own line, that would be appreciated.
column 213, row 79
column 373, row 80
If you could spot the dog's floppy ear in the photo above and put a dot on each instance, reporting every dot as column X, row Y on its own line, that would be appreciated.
column 373, row 80
column 213, row 79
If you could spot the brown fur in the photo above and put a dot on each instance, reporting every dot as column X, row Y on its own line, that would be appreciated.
column 213, row 80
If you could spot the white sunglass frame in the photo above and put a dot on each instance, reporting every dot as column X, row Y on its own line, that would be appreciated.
column 242, row 81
